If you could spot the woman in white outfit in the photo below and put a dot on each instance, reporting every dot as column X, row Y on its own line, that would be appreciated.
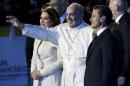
column 46, row 63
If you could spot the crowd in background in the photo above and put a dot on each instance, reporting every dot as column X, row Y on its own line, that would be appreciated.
column 28, row 11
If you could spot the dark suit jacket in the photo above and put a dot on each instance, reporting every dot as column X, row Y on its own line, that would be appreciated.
column 122, row 33
column 101, row 61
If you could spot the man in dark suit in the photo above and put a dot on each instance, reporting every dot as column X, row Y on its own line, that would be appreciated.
column 101, row 56
column 122, row 32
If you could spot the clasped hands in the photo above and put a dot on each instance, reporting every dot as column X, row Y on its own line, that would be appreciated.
column 36, row 75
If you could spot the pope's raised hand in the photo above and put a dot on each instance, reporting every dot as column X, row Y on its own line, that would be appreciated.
column 14, row 21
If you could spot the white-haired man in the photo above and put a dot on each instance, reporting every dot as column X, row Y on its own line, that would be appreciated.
column 60, row 6
column 121, row 30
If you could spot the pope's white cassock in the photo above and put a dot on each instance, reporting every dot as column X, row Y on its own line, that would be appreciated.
column 73, row 44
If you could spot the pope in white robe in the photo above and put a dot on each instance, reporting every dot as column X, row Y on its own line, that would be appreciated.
column 72, row 39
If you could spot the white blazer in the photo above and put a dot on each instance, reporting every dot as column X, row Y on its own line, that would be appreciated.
column 45, row 60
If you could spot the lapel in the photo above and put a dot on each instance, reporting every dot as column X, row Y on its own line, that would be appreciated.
column 120, row 22
column 123, row 18
column 114, row 26
column 96, row 42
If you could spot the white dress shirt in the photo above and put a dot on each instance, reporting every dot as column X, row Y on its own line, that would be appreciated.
column 101, row 30
column 118, row 18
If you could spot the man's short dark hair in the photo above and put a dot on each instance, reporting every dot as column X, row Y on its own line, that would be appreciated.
column 104, row 11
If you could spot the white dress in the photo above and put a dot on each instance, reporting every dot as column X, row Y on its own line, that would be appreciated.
column 73, row 45
column 46, row 61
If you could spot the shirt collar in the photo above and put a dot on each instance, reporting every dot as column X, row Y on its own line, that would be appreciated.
column 81, row 25
column 101, row 30
column 118, row 18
